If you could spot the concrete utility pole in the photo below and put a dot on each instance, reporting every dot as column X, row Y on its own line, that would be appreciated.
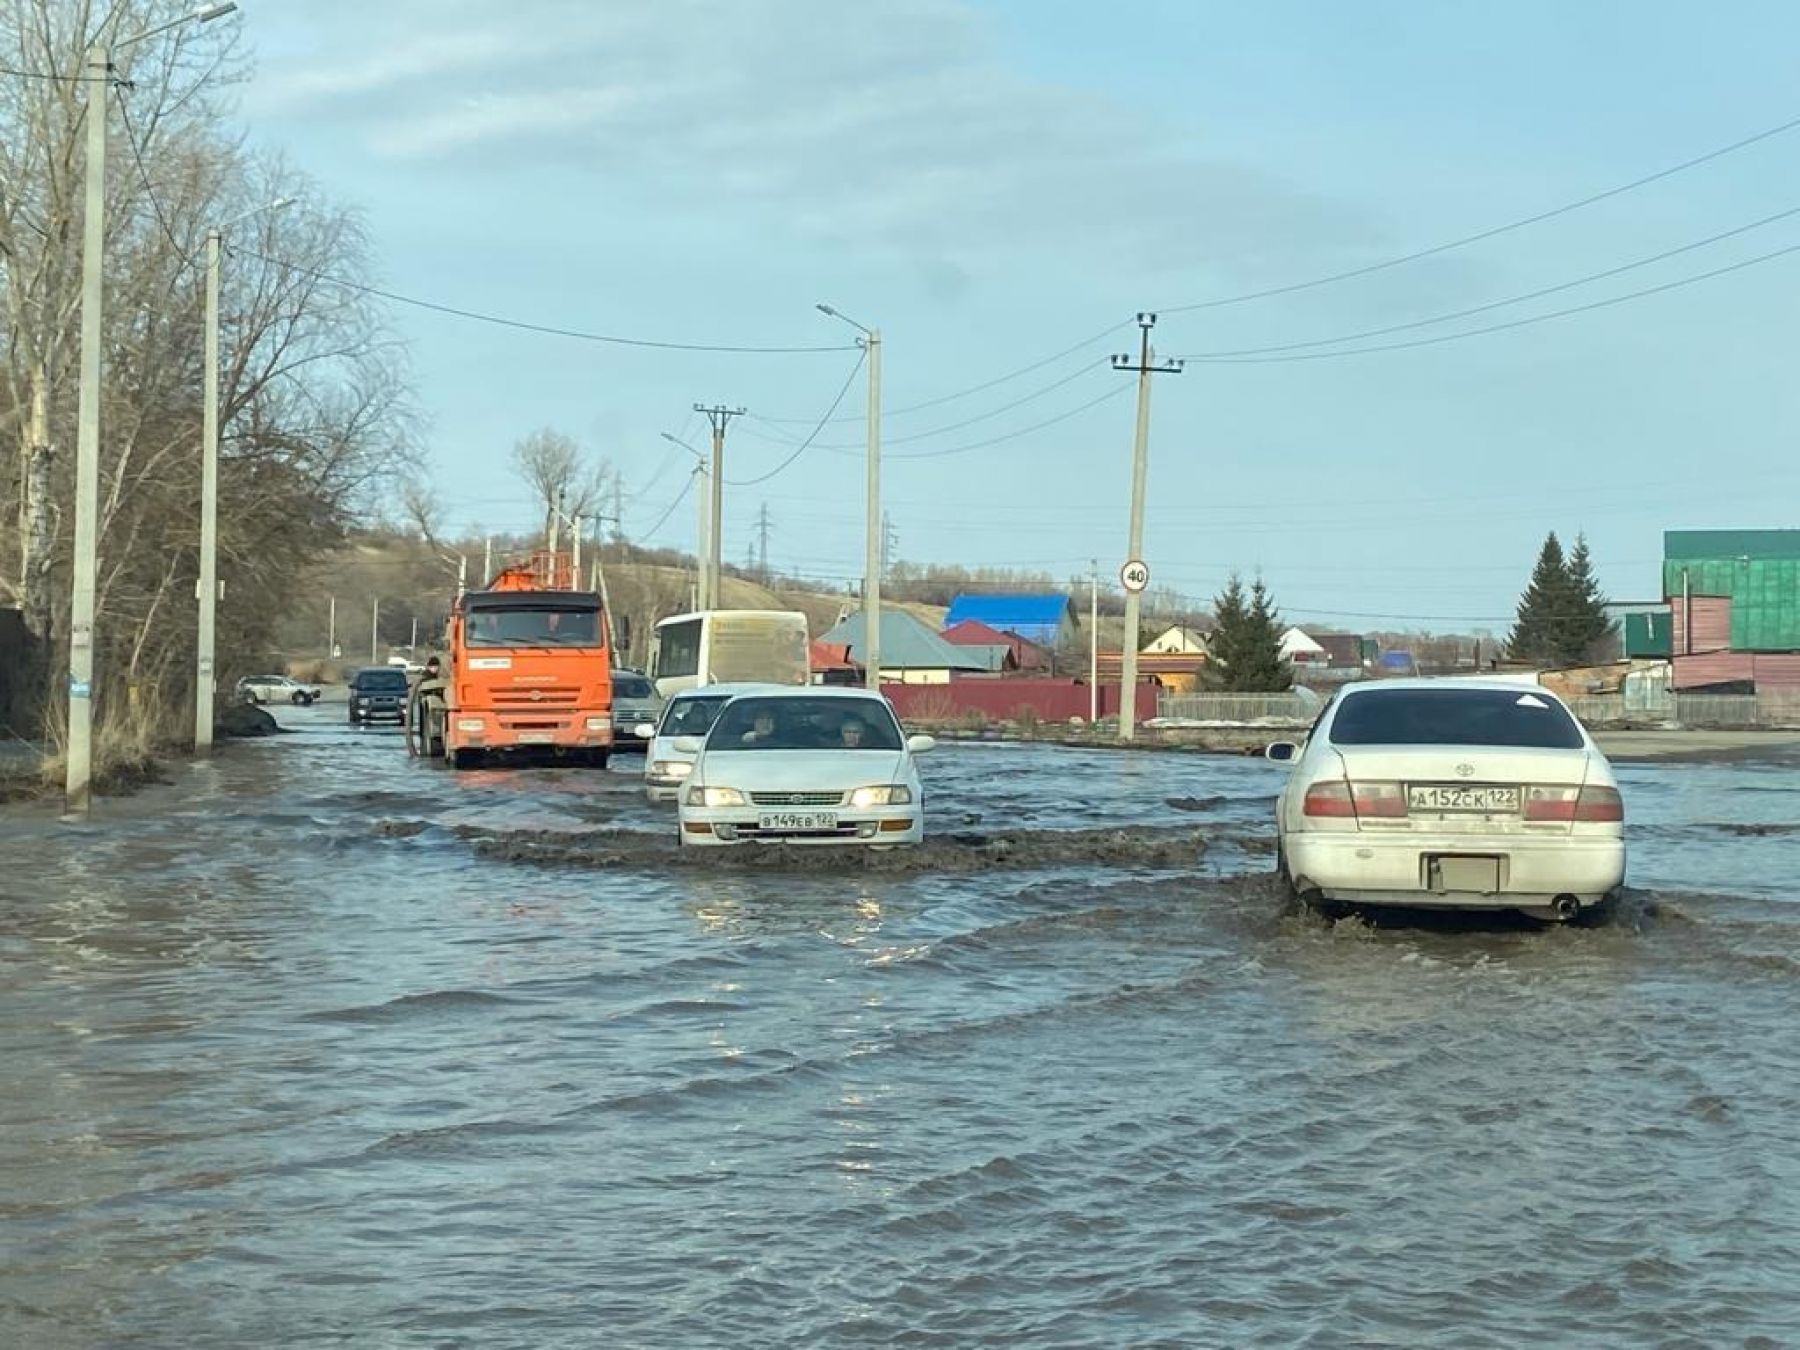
column 551, row 530
column 1093, row 641
column 1146, row 366
column 871, row 596
column 208, row 588
column 331, row 631
column 487, row 561
column 702, row 533
column 97, row 72
column 375, row 631
column 720, row 416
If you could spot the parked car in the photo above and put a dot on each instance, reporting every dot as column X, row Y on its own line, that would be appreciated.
column 690, row 713
column 378, row 693
column 634, row 701
column 276, row 689
column 804, row 765
column 1451, row 794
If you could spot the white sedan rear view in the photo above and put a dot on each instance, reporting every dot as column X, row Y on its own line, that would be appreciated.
column 804, row 766
column 1451, row 793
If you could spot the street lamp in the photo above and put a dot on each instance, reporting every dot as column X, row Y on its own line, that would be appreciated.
column 208, row 585
column 97, row 67
column 871, row 343
column 704, row 546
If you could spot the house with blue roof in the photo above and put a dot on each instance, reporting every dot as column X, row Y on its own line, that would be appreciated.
column 1046, row 620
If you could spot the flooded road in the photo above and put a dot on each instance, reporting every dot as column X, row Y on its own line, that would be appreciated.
column 319, row 1046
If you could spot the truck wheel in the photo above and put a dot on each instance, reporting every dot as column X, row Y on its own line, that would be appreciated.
column 596, row 759
column 465, row 759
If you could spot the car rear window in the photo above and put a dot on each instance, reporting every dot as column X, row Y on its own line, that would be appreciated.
column 632, row 686
column 1455, row 717
column 381, row 679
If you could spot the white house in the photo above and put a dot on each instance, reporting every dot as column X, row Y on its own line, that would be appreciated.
column 1179, row 641
column 1300, row 650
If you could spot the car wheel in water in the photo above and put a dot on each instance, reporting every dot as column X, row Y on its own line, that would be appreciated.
column 300, row 698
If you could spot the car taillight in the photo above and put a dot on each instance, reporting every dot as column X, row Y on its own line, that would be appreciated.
column 1350, row 801
column 1329, row 799
column 1593, row 804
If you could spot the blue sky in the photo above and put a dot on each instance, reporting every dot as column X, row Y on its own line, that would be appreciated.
column 993, row 183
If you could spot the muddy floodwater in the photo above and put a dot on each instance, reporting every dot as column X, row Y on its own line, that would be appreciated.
column 315, row 1045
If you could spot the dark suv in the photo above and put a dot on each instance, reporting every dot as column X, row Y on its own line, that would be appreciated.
column 378, row 693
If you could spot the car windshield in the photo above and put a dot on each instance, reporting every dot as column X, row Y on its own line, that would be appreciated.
column 632, row 686
column 381, row 679
column 533, row 627
column 1455, row 717
column 692, row 716
column 805, row 724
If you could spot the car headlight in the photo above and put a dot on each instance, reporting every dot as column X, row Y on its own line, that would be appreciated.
column 883, row 795
column 670, row 768
column 700, row 795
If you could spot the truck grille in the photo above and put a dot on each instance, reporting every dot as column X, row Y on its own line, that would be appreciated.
column 538, row 697
column 796, row 798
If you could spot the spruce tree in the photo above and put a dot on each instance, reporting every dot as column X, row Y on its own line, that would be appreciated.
column 1537, row 634
column 1590, row 629
column 1246, row 641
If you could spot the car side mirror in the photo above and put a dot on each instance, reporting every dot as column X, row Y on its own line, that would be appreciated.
column 918, row 745
column 644, row 731
column 1282, row 752
column 688, row 745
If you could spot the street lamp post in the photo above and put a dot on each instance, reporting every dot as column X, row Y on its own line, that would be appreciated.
column 208, row 585
column 705, row 546
column 97, row 68
column 871, row 343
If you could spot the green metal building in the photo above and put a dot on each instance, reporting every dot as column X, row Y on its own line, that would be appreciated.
column 1759, row 570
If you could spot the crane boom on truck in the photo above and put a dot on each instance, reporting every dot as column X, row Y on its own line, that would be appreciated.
column 529, row 671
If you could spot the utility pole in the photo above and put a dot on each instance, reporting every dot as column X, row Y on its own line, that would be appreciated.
column 762, row 543
column 375, row 631
column 331, row 631
column 1146, row 366
column 719, row 416
column 575, row 559
column 487, row 561
column 97, row 75
column 551, row 531
column 1093, row 641
column 207, row 589
column 618, row 517
column 413, row 646
column 702, row 532
column 871, row 596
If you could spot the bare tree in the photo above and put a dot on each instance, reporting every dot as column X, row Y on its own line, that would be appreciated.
column 312, row 388
column 552, row 465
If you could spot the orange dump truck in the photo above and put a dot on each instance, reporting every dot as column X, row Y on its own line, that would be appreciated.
column 529, row 671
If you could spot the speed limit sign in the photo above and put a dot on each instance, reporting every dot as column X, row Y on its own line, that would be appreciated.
column 1134, row 576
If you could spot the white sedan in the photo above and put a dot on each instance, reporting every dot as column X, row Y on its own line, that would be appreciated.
column 689, row 713
column 804, row 766
column 1451, row 794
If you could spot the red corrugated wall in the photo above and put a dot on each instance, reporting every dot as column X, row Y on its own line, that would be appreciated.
column 1712, row 625
column 1776, row 672
column 1694, row 672
column 1048, row 700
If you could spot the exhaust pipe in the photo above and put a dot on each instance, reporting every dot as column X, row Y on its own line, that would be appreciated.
column 1565, row 907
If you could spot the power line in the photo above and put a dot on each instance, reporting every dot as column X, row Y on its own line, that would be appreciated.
column 548, row 330
column 812, row 435
column 663, row 519
column 1493, row 231
column 49, row 75
column 137, row 155
column 1676, row 284
column 967, row 421
column 1011, row 375
column 1022, row 431
column 1588, row 279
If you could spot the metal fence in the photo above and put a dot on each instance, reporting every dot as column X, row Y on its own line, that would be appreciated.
column 1772, row 709
column 1238, row 709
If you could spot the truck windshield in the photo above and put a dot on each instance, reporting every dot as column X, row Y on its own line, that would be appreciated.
column 536, row 627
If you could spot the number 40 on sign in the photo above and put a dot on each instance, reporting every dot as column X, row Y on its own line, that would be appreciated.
column 1134, row 576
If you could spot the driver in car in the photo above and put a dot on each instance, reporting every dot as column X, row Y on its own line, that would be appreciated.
column 850, row 733
column 762, row 727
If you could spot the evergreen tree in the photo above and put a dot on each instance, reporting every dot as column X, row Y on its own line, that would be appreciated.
column 1537, row 634
column 1246, row 641
column 1590, row 630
